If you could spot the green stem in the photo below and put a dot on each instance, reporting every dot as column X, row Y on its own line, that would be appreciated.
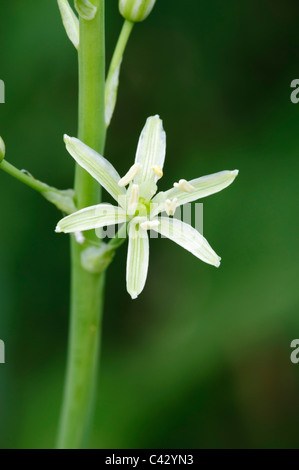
column 63, row 200
column 113, row 73
column 25, row 178
column 120, row 48
column 87, row 288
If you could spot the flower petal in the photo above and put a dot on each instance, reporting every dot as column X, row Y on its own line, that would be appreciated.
column 70, row 22
column 189, row 238
column 91, row 218
column 138, row 257
column 203, row 187
column 150, row 153
column 96, row 165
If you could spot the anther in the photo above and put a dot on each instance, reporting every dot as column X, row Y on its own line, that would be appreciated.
column 130, row 175
column 170, row 206
column 183, row 185
column 134, row 199
column 158, row 170
column 150, row 224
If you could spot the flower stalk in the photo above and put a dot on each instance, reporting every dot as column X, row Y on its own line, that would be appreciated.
column 62, row 199
column 139, row 208
column 87, row 288
column 114, row 70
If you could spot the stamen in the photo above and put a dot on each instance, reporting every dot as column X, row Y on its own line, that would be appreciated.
column 79, row 238
column 150, row 224
column 158, row 170
column 170, row 206
column 134, row 199
column 183, row 185
column 130, row 175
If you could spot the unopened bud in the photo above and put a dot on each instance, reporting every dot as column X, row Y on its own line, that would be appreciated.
column 136, row 10
column 86, row 9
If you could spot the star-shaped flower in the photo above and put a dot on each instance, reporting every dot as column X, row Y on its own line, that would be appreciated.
column 138, row 206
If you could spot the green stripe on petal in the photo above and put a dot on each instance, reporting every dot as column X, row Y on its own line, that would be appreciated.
column 203, row 187
column 188, row 238
column 150, row 153
column 92, row 217
column 70, row 22
column 138, row 257
column 96, row 165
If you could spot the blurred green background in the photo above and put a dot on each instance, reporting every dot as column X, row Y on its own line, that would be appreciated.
column 202, row 358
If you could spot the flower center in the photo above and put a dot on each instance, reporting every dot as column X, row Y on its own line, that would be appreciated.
column 143, row 207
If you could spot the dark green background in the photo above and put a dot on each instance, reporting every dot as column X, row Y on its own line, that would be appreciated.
column 202, row 358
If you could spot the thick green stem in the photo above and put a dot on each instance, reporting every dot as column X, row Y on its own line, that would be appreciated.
column 87, row 288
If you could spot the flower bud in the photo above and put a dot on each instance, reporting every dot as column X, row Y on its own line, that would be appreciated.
column 2, row 149
column 86, row 9
column 136, row 10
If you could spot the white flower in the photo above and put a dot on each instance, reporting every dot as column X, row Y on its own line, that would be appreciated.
column 138, row 207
